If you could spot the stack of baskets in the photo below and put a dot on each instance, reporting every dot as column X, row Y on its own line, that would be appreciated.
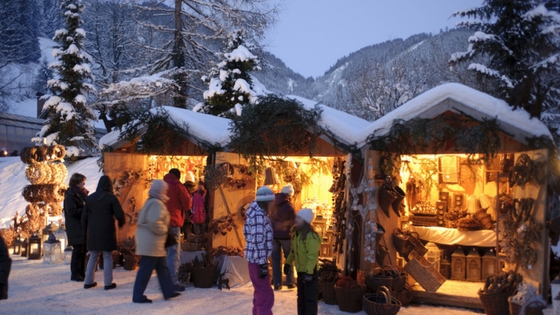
column 349, row 299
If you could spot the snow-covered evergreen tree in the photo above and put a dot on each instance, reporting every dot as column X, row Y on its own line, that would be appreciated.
column 230, row 85
column 522, row 42
column 69, row 120
column 197, row 33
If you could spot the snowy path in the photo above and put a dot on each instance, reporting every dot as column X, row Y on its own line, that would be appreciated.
column 37, row 288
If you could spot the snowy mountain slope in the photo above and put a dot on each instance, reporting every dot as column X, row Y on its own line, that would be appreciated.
column 12, row 181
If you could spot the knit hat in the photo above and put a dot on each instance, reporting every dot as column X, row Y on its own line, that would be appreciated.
column 189, row 177
column 176, row 172
column 265, row 194
column 288, row 190
column 307, row 215
column 158, row 190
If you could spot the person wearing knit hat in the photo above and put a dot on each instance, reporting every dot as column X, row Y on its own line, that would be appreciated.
column 258, row 248
column 288, row 190
column 178, row 205
column 150, row 237
column 306, row 244
column 282, row 219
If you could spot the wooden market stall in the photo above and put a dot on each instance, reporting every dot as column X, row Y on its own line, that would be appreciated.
column 132, row 170
column 467, row 175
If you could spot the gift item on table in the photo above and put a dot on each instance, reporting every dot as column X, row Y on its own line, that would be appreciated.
column 473, row 204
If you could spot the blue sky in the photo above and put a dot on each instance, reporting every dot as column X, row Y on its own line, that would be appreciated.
column 312, row 34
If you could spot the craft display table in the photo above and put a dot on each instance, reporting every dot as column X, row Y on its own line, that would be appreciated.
column 445, row 236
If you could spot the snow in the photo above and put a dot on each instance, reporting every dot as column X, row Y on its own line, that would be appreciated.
column 203, row 127
column 12, row 181
column 37, row 288
column 345, row 126
column 72, row 151
column 240, row 54
column 477, row 104
column 215, row 87
column 480, row 36
column 238, row 109
column 541, row 11
column 72, row 50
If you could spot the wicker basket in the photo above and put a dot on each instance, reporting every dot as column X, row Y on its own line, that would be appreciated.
column 534, row 308
column 204, row 277
column 381, row 303
column 191, row 247
column 405, row 295
column 327, row 292
column 401, row 243
column 349, row 300
column 399, row 282
column 130, row 262
column 374, row 282
column 193, row 238
column 495, row 303
column 425, row 274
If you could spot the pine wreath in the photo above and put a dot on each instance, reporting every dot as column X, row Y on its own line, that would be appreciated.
column 275, row 126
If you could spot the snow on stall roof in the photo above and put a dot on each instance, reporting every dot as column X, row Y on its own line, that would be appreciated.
column 517, row 122
column 203, row 127
column 346, row 127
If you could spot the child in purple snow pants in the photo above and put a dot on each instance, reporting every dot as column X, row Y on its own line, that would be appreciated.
column 263, row 298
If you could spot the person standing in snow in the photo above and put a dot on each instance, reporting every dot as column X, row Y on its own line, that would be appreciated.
column 258, row 248
column 304, row 255
column 151, row 234
column 178, row 205
column 191, row 186
column 74, row 204
column 5, row 267
column 282, row 220
column 198, row 209
column 98, row 221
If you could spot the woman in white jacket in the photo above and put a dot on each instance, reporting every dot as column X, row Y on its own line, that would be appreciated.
column 151, row 234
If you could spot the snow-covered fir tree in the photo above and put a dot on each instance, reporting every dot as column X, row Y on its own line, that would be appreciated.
column 522, row 42
column 69, row 120
column 230, row 85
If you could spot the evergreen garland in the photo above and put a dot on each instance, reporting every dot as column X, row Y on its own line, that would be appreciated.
column 275, row 126
column 153, row 132
column 464, row 133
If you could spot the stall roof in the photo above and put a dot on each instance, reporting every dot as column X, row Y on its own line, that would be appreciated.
column 202, row 127
column 344, row 126
column 459, row 99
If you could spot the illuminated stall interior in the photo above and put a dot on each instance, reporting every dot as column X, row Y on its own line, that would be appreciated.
column 315, row 183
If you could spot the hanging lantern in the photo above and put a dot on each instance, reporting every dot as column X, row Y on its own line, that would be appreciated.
column 458, row 262
column 47, row 231
column 24, row 248
column 68, row 255
column 34, row 246
column 51, row 250
column 60, row 235
column 270, row 178
column 488, row 264
column 17, row 245
column 473, row 266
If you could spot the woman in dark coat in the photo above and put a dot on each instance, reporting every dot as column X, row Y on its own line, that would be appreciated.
column 5, row 267
column 74, row 204
column 98, row 220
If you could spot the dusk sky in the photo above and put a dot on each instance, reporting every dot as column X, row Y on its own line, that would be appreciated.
column 312, row 34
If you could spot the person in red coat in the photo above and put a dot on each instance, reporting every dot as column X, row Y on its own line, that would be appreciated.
column 178, row 204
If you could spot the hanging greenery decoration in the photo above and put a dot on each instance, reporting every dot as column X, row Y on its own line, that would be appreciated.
column 152, row 132
column 274, row 126
column 463, row 133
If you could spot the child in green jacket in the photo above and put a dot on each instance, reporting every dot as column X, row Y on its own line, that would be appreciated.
column 305, row 257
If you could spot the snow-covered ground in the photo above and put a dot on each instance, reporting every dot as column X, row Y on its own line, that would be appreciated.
column 12, row 181
column 37, row 288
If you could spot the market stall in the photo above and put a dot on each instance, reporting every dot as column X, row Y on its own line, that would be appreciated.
column 461, row 188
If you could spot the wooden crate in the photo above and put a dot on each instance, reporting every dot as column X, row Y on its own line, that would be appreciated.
column 424, row 220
